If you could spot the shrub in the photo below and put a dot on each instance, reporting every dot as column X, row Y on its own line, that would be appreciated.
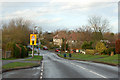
column 17, row 51
column 87, row 45
column 109, row 50
column 117, row 46
column 10, row 47
column 90, row 51
column 100, row 47
column 24, row 51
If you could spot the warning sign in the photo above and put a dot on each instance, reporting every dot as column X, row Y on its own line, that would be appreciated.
column 33, row 39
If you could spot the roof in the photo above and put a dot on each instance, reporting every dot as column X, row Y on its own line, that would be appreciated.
column 68, row 36
column 60, row 35
column 73, row 36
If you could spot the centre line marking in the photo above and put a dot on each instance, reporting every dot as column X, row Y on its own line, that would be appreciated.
column 89, row 71
column 97, row 74
column 41, row 74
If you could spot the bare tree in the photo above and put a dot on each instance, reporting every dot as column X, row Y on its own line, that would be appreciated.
column 99, row 24
column 85, row 33
column 16, row 30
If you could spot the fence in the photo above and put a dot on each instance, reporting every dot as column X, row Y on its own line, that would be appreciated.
column 6, row 54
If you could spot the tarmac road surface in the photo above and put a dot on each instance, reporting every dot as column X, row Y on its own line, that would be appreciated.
column 56, row 67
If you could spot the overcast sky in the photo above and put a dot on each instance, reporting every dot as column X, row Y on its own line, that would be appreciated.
column 61, row 14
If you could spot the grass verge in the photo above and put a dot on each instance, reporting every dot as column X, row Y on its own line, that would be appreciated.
column 13, row 58
column 18, row 65
column 97, row 58
column 35, row 58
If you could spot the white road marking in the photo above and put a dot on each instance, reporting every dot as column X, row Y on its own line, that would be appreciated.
column 97, row 74
column 40, row 77
column 83, row 68
column 89, row 70
column 41, row 70
column 41, row 74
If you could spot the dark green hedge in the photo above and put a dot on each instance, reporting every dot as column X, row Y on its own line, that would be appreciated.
column 16, row 52
column 24, row 52
column 20, row 54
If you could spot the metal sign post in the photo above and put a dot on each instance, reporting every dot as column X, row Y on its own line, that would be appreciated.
column 33, row 40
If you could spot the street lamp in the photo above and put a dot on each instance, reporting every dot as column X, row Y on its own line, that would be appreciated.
column 39, row 43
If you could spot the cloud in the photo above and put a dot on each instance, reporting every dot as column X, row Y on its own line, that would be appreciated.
column 62, row 12
column 114, row 26
column 44, row 21
column 84, row 1
column 81, row 5
column 56, row 7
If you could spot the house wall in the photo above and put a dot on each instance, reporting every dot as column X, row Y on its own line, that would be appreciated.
column 57, row 42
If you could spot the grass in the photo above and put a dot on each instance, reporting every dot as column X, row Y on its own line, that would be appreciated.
column 100, row 58
column 18, row 65
column 30, row 52
column 111, row 59
column 10, row 58
column 13, row 58
column 35, row 58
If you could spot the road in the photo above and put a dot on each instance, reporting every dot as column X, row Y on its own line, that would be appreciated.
column 56, row 67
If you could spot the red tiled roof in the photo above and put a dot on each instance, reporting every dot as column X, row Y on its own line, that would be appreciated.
column 73, row 36
column 60, row 35
column 70, row 36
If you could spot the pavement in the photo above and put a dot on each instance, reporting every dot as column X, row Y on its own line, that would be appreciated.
column 16, row 60
column 54, row 67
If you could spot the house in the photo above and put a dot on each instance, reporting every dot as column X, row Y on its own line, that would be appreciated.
column 70, row 37
column 57, row 39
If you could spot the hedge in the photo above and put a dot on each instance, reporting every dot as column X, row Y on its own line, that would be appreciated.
column 109, row 50
column 24, row 52
column 17, row 51
column 117, row 46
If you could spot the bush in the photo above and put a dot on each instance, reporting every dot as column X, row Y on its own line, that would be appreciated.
column 117, row 46
column 87, row 45
column 109, row 50
column 90, row 51
column 17, row 51
column 100, row 47
column 24, row 52
column 10, row 47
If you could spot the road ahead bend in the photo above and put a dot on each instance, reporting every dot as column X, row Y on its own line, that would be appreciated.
column 56, row 67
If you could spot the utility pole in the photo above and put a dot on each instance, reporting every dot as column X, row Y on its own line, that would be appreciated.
column 39, row 43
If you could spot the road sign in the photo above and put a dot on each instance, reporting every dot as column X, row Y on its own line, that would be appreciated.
column 33, row 39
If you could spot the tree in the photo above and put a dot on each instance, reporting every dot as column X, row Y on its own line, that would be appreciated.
column 100, row 47
column 110, row 36
column 63, row 44
column 16, row 30
column 117, row 46
column 85, row 33
column 87, row 45
column 98, row 24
